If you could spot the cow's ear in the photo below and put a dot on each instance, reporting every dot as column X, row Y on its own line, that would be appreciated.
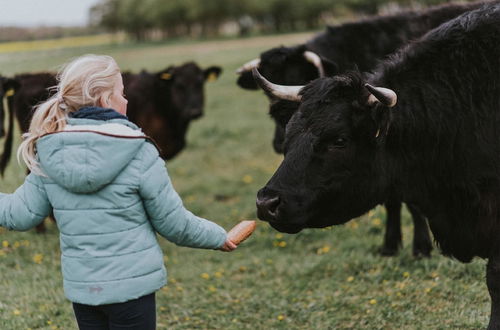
column 212, row 73
column 10, row 86
column 330, row 67
column 246, row 81
column 167, row 74
column 282, row 110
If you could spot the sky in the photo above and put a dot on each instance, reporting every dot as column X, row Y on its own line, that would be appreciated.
column 32, row 13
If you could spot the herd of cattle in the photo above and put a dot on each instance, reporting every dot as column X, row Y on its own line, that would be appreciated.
column 402, row 108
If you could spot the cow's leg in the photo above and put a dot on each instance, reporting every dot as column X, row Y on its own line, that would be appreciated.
column 422, row 244
column 392, row 238
column 493, row 282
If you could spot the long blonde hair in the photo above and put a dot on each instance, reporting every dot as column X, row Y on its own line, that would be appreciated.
column 81, row 82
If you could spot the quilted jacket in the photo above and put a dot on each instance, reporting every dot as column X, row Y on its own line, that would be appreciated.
column 110, row 194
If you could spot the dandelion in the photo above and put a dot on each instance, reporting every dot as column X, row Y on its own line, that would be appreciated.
column 427, row 290
column 218, row 274
column 281, row 317
column 278, row 236
column 377, row 222
column 282, row 244
column 17, row 244
column 38, row 258
column 212, row 288
column 406, row 274
column 205, row 276
column 49, row 322
column 16, row 312
column 5, row 244
column 373, row 301
column 350, row 279
column 247, row 179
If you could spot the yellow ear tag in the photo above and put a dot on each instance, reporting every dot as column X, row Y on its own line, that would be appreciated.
column 10, row 92
column 212, row 77
column 166, row 76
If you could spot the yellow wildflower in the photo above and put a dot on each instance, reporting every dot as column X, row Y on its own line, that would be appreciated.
column 5, row 244
column 212, row 288
column 406, row 274
column 373, row 301
column 281, row 317
column 205, row 276
column 350, row 279
column 38, row 258
column 16, row 312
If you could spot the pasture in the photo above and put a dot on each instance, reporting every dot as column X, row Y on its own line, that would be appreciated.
column 329, row 278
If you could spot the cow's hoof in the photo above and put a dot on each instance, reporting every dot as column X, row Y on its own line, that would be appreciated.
column 388, row 251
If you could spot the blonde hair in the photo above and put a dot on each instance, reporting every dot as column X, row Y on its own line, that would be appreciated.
column 81, row 82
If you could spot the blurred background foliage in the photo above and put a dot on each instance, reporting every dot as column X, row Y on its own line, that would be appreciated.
column 161, row 19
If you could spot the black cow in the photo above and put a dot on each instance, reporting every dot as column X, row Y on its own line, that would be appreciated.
column 162, row 104
column 336, row 50
column 430, row 135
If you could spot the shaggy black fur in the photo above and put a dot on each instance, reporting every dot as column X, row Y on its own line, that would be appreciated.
column 439, row 148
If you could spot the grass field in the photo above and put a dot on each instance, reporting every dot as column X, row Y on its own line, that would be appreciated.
column 331, row 278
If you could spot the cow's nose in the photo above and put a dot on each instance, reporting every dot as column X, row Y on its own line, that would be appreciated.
column 267, row 206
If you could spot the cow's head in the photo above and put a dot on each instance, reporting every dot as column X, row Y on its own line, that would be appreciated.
column 185, row 84
column 286, row 66
column 8, row 87
column 332, row 170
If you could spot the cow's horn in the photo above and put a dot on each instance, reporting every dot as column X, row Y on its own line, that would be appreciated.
column 383, row 95
column 290, row 93
column 248, row 66
column 316, row 60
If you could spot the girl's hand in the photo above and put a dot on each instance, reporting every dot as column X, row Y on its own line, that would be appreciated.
column 228, row 246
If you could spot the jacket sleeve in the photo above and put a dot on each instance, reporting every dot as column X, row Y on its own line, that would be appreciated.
column 168, row 215
column 26, row 207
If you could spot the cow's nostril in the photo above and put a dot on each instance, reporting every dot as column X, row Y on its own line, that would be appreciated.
column 266, row 207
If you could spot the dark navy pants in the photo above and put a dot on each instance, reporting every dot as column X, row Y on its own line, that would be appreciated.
column 137, row 314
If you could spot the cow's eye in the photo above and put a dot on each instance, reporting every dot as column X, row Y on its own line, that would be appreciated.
column 337, row 144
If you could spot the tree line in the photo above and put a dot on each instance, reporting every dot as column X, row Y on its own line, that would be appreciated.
column 161, row 19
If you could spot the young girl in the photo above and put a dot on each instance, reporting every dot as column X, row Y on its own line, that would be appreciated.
column 110, row 193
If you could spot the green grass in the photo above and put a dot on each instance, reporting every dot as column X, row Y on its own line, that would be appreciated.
column 318, row 279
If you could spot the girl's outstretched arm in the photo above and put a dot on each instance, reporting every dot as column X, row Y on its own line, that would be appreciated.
column 26, row 207
column 169, row 216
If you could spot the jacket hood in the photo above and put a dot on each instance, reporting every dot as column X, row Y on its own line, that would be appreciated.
column 89, row 154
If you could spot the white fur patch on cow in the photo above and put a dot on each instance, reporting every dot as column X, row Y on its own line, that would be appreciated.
column 112, row 128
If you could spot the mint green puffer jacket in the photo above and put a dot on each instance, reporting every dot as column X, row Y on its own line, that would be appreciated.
column 110, row 193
